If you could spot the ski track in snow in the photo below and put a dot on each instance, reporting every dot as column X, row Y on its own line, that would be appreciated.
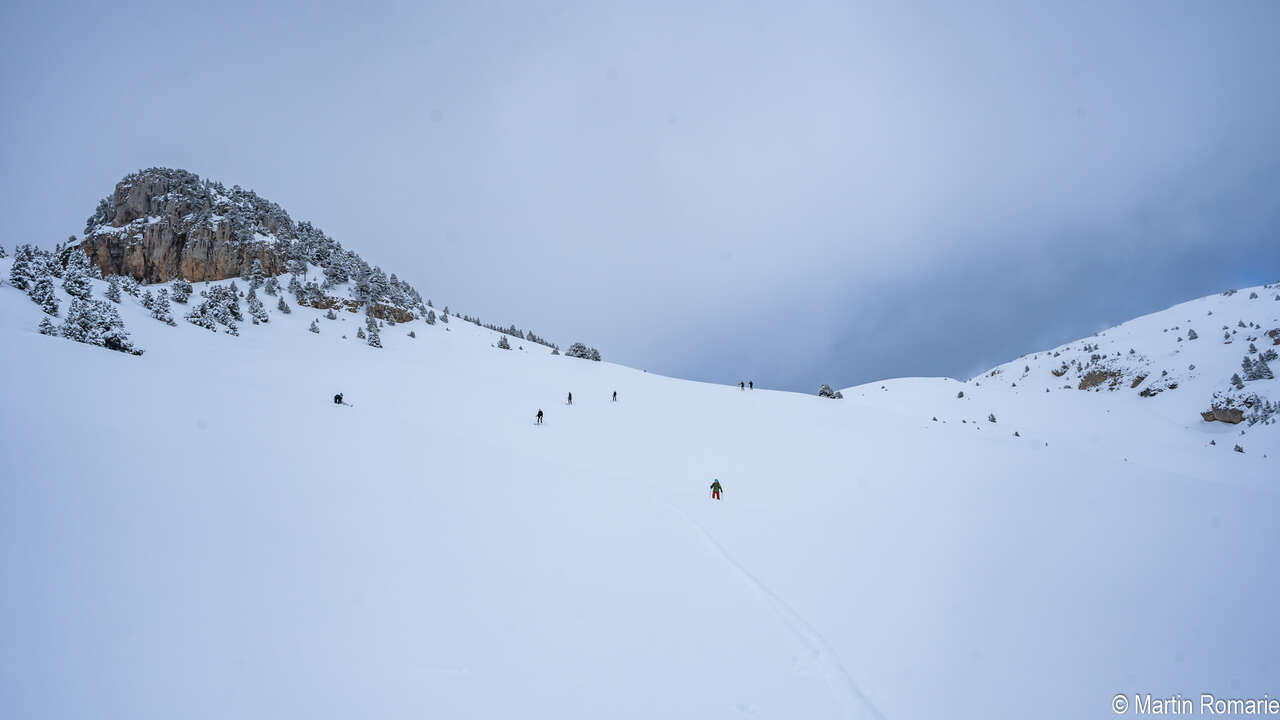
column 855, row 702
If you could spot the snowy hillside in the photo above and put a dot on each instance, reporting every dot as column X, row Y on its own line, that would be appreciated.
column 200, row 532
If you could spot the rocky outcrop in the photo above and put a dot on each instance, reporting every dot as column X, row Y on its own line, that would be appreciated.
column 163, row 224
column 1224, row 414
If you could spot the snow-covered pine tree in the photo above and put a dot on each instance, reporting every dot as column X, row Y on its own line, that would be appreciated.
column 502, row 343
column 1236, row 382
column 271, row 286
column 256, row 310
column 254, row 276
column 75, row 278
column 1191, row 335
column 50, row 262
column 1261, row 370
column 113, row 289
column 315, row 327
column 129, row 285
column 431, row 317
column 371, row 330
column 96, row 322
column 331, row 315
column 445, row 317
column 283, row 306
column 379, row 286
column 335, row 273
column 160, row 308
column 579, row 350
column 181, row 291
column 1247, row 366
column 42, row 294
column 3, row 254
column 48, row 328
column 826, row 392
column 22, row 272
column 360, row 333
column 294, row 286
column 221, row 305
column 148, row 299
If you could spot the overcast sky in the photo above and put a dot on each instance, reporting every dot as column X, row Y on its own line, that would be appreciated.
column 794, row 192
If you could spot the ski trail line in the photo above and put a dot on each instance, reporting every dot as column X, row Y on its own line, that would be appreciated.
column 855, row 702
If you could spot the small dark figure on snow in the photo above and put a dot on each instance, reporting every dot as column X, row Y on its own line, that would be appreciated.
column 337, row 399
column 615, row 396
column 539, row 417
column 751, row 384
column 715, row 489
column 570, row 398
column 742, row 385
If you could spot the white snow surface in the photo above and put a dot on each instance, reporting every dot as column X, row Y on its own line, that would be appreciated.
column 200, row 532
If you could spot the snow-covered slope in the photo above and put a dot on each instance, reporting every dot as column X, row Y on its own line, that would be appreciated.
column 201, row 532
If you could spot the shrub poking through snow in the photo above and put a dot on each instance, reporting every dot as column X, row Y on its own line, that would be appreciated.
column 48, row 328
column 502, row 343
column 991, row 417
column 826, row 392
column 373, row 339
column 315, row 327
column 331, row 315
column 283, row 306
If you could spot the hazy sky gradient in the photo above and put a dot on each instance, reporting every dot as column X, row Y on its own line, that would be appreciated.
column 793, row 192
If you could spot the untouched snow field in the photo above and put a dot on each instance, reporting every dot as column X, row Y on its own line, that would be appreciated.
column 200, row 533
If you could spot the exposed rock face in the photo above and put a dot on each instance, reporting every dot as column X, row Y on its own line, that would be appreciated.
column 1224, row 414
column 162, row 224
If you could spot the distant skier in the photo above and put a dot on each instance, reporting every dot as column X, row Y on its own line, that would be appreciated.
column 570, row 398
column 539, row 416
column 751, row 384
column 742, row 385
column 337, row 399
column 715, row 489
column 615, row 396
